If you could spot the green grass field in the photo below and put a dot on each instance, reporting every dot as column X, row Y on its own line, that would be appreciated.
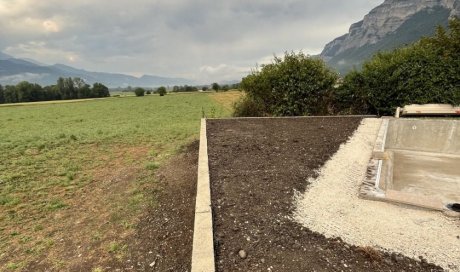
column 56, row 161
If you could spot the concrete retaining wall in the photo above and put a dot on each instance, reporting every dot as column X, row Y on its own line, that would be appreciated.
column 438, row 136
column 203, row 244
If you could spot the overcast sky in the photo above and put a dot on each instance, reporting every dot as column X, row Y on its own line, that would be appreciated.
column 203, row 40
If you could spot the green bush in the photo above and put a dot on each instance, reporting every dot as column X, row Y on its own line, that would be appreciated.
column 425, row 72
column 248, row 107
column 215, row 86
column 294, row 85
column 139, row 91
column 351, row 97
column 161, row 91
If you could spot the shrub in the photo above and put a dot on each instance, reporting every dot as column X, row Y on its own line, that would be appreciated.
column 425, row 72
column 215, row 86
column 139, row 91
column 248, row 107
column 148, row 92
column 351, row 97
column 184, row 88
column 294, row 85
column 99, row 90
column 161, row 91
column 2, row 99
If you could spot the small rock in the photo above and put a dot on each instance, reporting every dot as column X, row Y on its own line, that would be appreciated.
column 397, row 258
column 388, row 262
column 242, row 254
column 422, row 259
column 152, row 264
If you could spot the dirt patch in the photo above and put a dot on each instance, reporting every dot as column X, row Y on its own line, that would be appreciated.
column 107, row 227
column 256, row 166
column 163, row 237
column 95, row 219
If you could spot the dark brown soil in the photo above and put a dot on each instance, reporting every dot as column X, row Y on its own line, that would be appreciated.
column 164, row 235
column 255, row 167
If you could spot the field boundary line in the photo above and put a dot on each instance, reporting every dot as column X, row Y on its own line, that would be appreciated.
column 52, row 102
column 203, row 244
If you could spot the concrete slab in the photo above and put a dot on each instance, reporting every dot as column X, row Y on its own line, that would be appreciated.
column 427, row 202
column 427, row 174
column 418, row 163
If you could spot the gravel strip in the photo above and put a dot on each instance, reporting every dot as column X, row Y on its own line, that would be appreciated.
column 331, row 206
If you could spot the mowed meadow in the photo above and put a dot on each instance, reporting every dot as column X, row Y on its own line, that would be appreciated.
column 75, row 175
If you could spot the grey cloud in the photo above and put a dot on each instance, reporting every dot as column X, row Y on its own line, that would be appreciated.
column 173, row 38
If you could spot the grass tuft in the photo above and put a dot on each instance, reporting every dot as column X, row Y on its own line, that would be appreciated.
column 55, row 205
column 114, row 247
column 152, row 166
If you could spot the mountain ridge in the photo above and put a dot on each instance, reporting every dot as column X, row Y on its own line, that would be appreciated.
column 391, row 24
column 14, row 70
column 4, row 56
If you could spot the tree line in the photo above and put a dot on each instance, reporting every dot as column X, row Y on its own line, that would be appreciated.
column 427, row 71
column 141, row 91
column 214, row 86
column 65, row 89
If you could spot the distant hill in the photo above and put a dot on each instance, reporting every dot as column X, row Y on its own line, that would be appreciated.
column 4, row 56
column 392, row 24
column 14, row 70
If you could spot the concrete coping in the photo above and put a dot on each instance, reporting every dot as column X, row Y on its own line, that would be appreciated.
column 379, row 147
column 203, row 244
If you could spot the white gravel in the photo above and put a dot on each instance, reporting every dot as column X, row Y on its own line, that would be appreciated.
column 331, row 206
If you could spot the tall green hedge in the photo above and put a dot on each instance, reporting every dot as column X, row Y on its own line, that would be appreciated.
column 294, row 85
column 425, row 72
